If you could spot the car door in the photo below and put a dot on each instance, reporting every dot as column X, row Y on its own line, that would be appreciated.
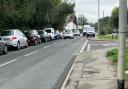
column 24, row 39
column 20, row 38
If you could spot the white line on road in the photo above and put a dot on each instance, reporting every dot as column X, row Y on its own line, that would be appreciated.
column 31, row 53
column 54, row 44
column 82, row 49
column 20, row 57
column 67, row 77
column 46, row 46
column 8, row 62
column 88, row 48
column 49, row 46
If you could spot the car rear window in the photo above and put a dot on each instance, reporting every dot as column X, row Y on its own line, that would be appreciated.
column 27, row 33
column 48, row 31
column 7, row 33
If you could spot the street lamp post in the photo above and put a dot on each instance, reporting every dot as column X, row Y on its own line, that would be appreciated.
column 122, row 43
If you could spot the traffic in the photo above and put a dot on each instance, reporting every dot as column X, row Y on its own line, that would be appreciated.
column 17, row 39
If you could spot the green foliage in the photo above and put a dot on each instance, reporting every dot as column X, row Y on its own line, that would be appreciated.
column 30, row 14
column 105, row 37
column 115, row 18
column 82, row 20
column 113, row 54
column 105, row 26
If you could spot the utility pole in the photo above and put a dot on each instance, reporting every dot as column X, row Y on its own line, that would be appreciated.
column 98, row 16
column 103, row 14
column 122, row 43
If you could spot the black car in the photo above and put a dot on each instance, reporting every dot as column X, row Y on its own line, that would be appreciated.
column 3, row 46
column 44, row 36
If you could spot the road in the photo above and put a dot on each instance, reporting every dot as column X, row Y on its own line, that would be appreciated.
column 99, row 44
column 39, row 67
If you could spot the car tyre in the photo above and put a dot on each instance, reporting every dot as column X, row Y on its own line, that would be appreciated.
column 35, row 42
column 18, row 46
column 5, row 49
column 26, row 46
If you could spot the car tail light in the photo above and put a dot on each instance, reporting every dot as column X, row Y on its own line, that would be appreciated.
column 14, row 37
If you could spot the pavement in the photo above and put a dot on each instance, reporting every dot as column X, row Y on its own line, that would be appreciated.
column 93, row 70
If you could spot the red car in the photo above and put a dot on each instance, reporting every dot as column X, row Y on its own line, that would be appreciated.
column 33, row 37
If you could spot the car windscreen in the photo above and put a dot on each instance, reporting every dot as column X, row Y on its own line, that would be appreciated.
column 48, row 30
column 7, row 33
column 67, row 31
column 90, row 30
column 76, row 31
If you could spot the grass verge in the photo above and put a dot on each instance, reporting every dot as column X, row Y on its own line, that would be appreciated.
column 106, row 37
column 113, row 56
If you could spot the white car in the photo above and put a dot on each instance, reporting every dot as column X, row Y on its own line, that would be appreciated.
column 76, row 32
column 51, row 32
column 68, row 34
column 14, row 38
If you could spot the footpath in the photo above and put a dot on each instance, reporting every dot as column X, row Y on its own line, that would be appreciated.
column 93, row 70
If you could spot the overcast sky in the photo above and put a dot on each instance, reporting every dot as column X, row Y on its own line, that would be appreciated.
column 89, row 8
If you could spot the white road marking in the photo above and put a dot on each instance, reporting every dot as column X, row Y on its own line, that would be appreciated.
column 20, row 57
column 88, row 48
column 82, row 49
column 54, row 44
column 31, row 53
column 67, row 77
column 8, row 62
column 46, row 46
column 25, row 55
column 50, row 45
column 111, row 44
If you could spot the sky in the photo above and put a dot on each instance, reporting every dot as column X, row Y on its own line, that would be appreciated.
column 89, row 8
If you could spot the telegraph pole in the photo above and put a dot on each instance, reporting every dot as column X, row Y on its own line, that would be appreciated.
column 122, row 42
column 98, row 16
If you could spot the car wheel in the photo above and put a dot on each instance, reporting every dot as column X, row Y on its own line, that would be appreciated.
column 35, row 42
column 18, row 46
column 26, row 46
column 5, row 49
column 40, row 41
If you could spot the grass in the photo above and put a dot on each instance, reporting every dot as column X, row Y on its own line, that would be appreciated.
column 113, row 56
column 106, row 37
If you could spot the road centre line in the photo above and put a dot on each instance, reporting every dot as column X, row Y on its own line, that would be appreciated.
column 46, row 46
column 25, row 56
column 54, row 44
column 31, row 53
column 8, row 62
column 50, row 45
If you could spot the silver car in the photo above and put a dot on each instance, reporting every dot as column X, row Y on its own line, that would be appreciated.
column 3, row 46
column 14, row 38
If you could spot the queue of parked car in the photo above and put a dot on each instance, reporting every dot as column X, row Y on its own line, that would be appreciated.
column 17, row 39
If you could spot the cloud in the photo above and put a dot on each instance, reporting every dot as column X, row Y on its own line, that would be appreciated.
column 89, row 8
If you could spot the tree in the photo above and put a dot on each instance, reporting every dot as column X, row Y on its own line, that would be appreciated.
column 115, row 17
column 34, row 14
column 82, row 20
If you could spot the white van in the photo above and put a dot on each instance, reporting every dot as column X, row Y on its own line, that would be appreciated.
column 51, row 32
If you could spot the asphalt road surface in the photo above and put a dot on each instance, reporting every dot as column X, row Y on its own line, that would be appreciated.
column 39, row 67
